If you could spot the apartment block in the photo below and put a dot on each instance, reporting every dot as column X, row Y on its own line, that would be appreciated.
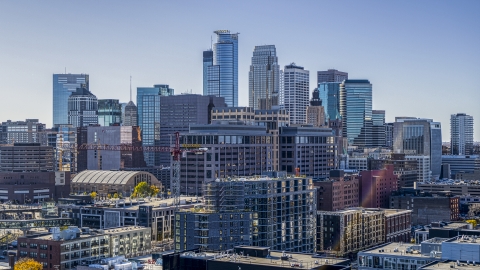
column 337, row 192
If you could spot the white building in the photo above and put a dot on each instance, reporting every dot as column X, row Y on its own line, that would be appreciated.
column 296, row 84
column 461, row 134
column 424, row 173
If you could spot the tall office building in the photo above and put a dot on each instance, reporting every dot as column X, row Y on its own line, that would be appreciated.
column 316, row 112
column 264, row 78
column 148, row 107
column 331, row 75
column 109, row 112
column 63, row 86
column 296, row 92
column 207, row 62
column 416, row 136
column 130, row 117
column 329, row 93
column 378, row 128
column 178, row 112
column 461, row 134
column 356, row 112
column 82, row 108
column 222, row 75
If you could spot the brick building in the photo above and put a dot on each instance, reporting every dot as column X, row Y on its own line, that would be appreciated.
column 33, row 187
column 337, row 192
column 427, row 207
column 398, row 224
column 376, row 186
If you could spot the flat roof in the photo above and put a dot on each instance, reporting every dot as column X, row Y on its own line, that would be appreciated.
column 448, row 265
column 306, row 260
column 389, row 249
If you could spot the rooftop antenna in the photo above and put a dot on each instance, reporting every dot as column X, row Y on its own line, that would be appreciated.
column 130, row 87
column 211, row 42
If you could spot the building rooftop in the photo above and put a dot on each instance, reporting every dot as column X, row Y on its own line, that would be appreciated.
column 395, row 249
column 298, row 260
column 451, row 264
column 107, row 177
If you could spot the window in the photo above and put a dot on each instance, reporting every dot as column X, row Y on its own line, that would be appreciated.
column 43, row 255
column 43, row 247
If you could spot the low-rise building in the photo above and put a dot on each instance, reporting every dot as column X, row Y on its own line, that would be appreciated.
column 73, row 246
column 251, row 258
column 455, row 187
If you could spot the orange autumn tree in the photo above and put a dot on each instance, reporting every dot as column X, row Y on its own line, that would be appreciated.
column 27, row 264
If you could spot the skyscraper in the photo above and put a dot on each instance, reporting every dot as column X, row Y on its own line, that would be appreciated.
column 356, row 112
column 264, row 78
column 296, row 92
column 109, row 112
column 148, row 105
column 82, row 108
column 222, row 75
column 331, row 75
column 316, row 112
column 329, row 93
column 63, row 86
column 207, row 62
column 461, row 134
column 378, row 128
column 131, row 115
column 417, row 136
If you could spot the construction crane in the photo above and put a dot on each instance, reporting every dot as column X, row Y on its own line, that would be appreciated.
column 177, row 152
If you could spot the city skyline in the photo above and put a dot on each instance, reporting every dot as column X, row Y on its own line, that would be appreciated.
column 412, row 60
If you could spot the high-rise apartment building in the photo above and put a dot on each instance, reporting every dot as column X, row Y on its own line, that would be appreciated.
column 264, row 78
column 222, row 75
column 307, row 151
column 148, row 106
column 130, row 117
column 378, row 128
column 329, row 93
column 82, row 108
column 316, row 112
column 26, row 157
column 109, row 112
column 356, row 112
column 178, row 112
column 63, row 86
column 461, row 134
column 296, row 89
column 28, row 131
column 331, row 75
column 416, row 136
column 233, row 150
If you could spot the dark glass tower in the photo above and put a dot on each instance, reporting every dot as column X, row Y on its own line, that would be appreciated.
column 109, row 112
column 356, row 112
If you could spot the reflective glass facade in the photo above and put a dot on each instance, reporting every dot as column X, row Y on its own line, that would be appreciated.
column 63, row 86
column 378, row 128
column 222, row 75
column 329, row 94
column 207, row 62
column 264, row 78
column 356, row 112
column 109, row 112
column 82, row 108
column 148, row 106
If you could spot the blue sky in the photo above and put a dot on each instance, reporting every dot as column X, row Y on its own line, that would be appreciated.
column 422, row 57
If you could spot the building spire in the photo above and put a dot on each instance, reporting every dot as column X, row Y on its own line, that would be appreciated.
column 130, row 87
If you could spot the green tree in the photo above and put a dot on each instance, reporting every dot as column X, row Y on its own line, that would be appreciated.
column 142, row 190
column 27, row 264
column 109, row 195
column 115, row 196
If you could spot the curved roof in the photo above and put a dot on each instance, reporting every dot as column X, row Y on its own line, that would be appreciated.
column 108, row 177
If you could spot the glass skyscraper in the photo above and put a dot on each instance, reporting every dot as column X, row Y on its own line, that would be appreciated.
column 109, row 112
column 82, row 108
column 331, row 75
column 378, row 128
column 222, row 75
column 356, row 112
column 148, row 106
column 63, row 86
column 207, row 62
column 330, row 96
column 264, row 78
